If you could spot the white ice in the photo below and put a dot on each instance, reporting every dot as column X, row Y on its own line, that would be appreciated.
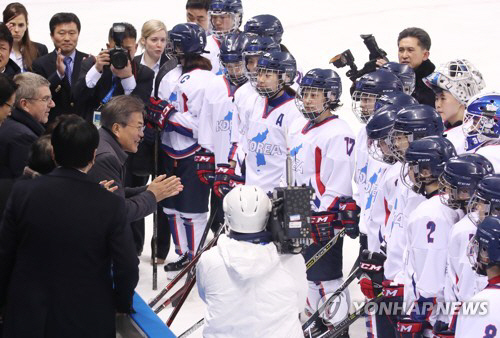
column 315, row 30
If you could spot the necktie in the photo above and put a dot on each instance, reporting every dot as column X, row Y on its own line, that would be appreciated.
column 68, row 71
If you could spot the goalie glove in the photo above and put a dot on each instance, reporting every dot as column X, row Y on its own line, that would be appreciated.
column 158, row 111
column 225, row 180
column 323, row 226
column 372, row 269
column 205, row 166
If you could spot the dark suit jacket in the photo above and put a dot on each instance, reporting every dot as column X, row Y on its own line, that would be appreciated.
column 90, row 98
column 422, row 93
column 67, row 258
column 110, row 165
column 41, row 49
column 60, row 89
column 11, row 69
column 17, row 134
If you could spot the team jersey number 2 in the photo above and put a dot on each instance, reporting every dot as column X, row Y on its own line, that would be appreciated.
column 431, row 226
column 349, row 144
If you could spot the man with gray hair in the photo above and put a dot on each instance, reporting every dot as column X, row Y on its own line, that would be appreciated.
column 25, row 124
column 121, row 131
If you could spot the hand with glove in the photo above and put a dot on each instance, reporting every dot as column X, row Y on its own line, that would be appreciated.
column 205, row 166
column 225, row 179
column 410, row 328
column 372, row 273
column 157, row 112
column 323, row 226
column 392, row 289
column 442, row 330
column 348, row 213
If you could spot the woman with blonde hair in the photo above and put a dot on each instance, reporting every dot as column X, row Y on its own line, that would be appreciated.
column 153, row 42
column 24, row 51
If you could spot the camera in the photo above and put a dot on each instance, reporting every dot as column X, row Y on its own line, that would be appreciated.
column 118, row 55
column 347, row 59
column 290, row 220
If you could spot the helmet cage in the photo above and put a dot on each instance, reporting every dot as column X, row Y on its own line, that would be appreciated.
column 251, row 76
column 236, row 18
column 479, row 208
column 363, row 105
column 452, row 195
column 313, row 112
column 395, row 143
column 413, row 177
column 376, row 149
column 234, row 71
column 269, row 92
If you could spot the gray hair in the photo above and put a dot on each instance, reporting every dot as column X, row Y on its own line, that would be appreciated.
column 28, row 84
column 119, row 109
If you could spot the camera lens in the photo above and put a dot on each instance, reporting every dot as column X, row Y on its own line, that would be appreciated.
column 119, row 58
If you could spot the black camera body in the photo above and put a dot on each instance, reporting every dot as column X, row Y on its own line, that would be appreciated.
column 290, row 220
column 347, row 59
column 118, row 55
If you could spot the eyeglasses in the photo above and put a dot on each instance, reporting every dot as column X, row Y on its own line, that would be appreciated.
column 46, row 99
column 139, row 128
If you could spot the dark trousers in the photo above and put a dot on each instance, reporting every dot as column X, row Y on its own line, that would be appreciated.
column 216, row 207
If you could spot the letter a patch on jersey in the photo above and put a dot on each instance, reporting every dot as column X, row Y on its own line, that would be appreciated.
column 279, row 120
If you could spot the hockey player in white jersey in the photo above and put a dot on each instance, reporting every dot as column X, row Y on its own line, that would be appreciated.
column 457, row 184
column 224, row 17
column 321, row 146
column 454, row 83
column 482, row 127
column 184, row 87
column 265, row 140
column 485, row 255
column 368, row 89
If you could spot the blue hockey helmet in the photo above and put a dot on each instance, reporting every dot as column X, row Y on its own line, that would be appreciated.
column 405, row 73
column 265, row 25
column 460, row 177
column 486, row 199
column 188, row 38
column 280, row 63
column 484, row 247
column 425, row 160
column 219, row 12
column 371, row 86
column 377, row 131
column 231, row 57
column 413, row 122
column 482, row 119
column 396, row 98
column 254, row 48
column 318, row 82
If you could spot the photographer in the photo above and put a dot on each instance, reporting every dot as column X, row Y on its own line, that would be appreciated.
column 107, row 75
column 250, row 290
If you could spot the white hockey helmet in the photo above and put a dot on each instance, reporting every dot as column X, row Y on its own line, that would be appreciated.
column 459, row 77
column 246, row 209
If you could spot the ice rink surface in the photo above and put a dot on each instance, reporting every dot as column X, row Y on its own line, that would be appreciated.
column 315, row 31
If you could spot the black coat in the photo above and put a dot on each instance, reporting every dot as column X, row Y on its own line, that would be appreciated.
column 67, row 258
column 422, row 93
column 60, row 88
column 11, row 69
column 17, row 134
column 110, row 165
column 90, row 98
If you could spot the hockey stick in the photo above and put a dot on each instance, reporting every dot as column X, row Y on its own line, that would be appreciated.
column 193, row 328
column 324, row 249
column 188, row 287
column 307, row 325
column 175, row 297
column 339, row 328
column 154, row 247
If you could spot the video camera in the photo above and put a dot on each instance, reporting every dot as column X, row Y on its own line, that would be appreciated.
column 347, row 59
column 118, row 55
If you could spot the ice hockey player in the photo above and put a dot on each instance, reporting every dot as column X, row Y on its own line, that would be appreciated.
column 321, row 147
column 405, row 73
column 485, row 252
column 454, row 83
column 250, row 290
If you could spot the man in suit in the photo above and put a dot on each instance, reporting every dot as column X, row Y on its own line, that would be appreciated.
column 99, row 80
column 25, row 124
column 62, row 66
column 7, row 65
column 121, row 132
column 66, row 253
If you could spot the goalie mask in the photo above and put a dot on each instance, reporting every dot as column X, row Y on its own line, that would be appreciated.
column 482, row 119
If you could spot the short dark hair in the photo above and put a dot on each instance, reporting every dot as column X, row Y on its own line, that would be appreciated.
column 198, row 4
column 40, row 156
column 74, row 141
column 130, row 31
column 7, row 88
column 424, row 40
column 119, row 109
column 60, row 18
column 6, row 35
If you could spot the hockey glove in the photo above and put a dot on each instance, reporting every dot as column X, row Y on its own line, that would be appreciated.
column 409, row 328
column 323, row 226
column 348, row 214
column 392, row 290
column 442, row 330
column 423, row 308
column 372, row 273
column 158, row 111
column 205, row 166
column 225, row 180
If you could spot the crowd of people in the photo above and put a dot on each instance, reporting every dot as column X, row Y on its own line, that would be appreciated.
column 210, row 111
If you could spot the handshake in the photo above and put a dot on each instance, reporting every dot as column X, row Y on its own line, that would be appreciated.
column 156, row 118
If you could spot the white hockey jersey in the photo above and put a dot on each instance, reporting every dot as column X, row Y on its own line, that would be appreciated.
column 217, row 118
column 213, row 49
column 462, row 282
column 265, row 142
column 186, row 94
column 457, row 138
column 245, row 99
column 322, row 158
column 482, row 325
column 490, row 150
column 428, row 231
